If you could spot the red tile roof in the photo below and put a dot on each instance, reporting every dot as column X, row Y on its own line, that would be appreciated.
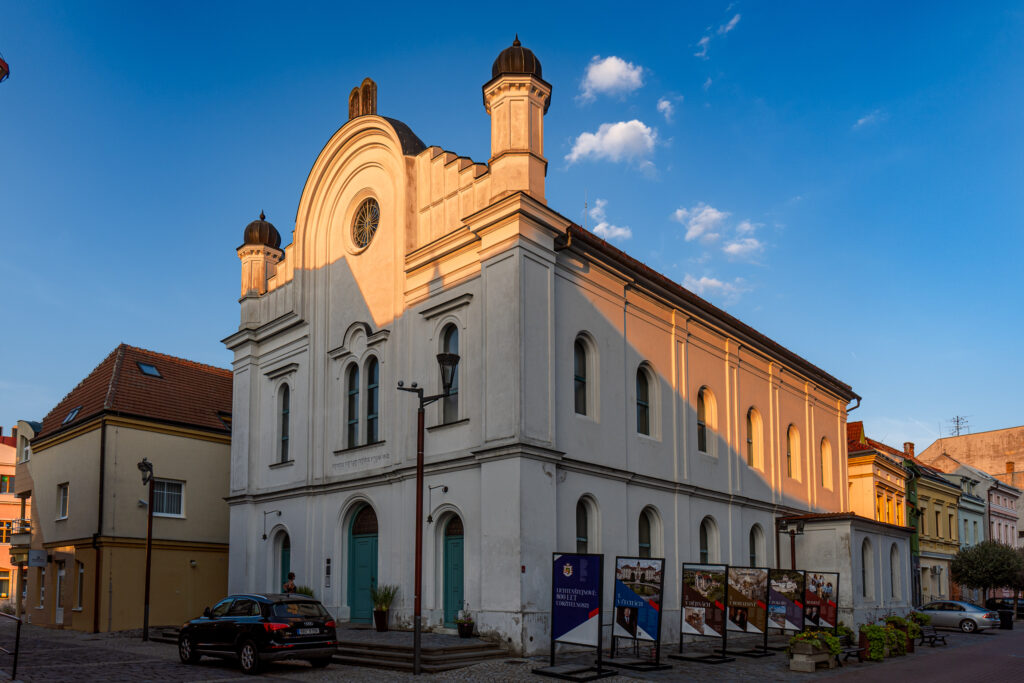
column 9, row 441
column 857, row 441
column 187, row 393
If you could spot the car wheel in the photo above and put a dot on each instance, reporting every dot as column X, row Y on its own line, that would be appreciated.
column 187, row 650
column 968, row 626
column 320, row 663
column 249, row 657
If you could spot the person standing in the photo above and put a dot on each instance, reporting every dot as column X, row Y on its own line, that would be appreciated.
column 289, row 585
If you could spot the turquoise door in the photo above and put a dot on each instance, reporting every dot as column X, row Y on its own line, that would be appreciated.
column 286, row 561
column 453, row 571
column 362, row 568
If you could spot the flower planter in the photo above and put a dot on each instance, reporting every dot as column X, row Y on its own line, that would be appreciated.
column 380, row 619
column 910, row 645
column 465, row 630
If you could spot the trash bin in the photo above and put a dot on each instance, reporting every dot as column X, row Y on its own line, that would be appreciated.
column 1006, row 619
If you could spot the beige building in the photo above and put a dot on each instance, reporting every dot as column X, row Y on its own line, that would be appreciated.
column 88, row 504
column 9, row 513
column 878, row 482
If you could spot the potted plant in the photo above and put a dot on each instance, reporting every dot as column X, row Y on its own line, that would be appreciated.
column 465, row 624
column 903, row 625
column 810, row 648
column 873, row 641
column 382, row 597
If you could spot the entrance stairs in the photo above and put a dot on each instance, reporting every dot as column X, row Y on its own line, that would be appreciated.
column 393, row 650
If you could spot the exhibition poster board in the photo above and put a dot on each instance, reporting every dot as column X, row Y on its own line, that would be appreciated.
column 820, row 595
column 785, row 599
column 576, row 599
column 748, row 599
column 704, row 600
column 639, row 586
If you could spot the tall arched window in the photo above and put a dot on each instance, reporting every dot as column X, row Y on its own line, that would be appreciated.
column 643, row 402
column 285, row 407
column 579, row 384
column 894, row 572
column 708, row 538
column 352, row 406
column 793, row 452
column 826, row 463
column 867, row 570
column 450, row 403
column 755, row 440
column 702, row 422
column 644, row 534
column 756, row 546
column 372, row 400
column 582, row 524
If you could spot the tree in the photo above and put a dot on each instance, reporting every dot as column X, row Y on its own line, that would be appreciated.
column 987, row 565
column 1018, row 581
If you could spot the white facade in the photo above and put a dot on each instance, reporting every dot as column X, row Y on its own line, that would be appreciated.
column 475, row 248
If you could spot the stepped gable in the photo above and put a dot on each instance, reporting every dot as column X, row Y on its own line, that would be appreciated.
column 186, row 393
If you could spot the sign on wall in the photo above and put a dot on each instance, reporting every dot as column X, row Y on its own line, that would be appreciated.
column 576, row 599
column 748, row 599
column 639, row 585
column 820, row 597
column 703, row 608
column 785, row 599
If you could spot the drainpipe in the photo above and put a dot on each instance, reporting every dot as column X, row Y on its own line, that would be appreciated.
column 99, row 529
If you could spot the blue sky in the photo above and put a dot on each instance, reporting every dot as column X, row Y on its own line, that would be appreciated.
column 845, row 179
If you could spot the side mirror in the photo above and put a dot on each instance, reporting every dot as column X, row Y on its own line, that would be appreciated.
column 207, row 613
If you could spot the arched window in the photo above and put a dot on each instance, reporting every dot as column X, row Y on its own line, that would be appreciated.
column 285, row 408
column 826, row 463
column 755, row 440
column 867, row 570
column 582, row 524
column 450, row 403
column 702, row 424
column 372, row 400
column 579, row 384
column 708, row 538
column 644, row 535
column 793, row 452
column 643, row 402
column 756, row 546
column 352, row 406
column 896, row 589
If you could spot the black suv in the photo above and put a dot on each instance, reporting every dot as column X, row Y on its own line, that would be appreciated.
column 261, row 628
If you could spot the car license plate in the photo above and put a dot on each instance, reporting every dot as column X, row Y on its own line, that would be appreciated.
column 307, row 631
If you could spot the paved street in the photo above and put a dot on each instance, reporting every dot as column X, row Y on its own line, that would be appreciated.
column 65, row 656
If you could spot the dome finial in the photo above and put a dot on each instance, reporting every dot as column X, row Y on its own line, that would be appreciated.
column 262, row 217
column 516, row 43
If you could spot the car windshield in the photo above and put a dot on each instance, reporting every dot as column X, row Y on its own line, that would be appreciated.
column 299, row 609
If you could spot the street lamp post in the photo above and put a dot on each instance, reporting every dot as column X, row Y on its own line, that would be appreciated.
column 146, row 467
column 448, row 363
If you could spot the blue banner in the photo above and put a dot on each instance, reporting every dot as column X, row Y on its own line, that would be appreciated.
column 639, row 583
column 576, row 599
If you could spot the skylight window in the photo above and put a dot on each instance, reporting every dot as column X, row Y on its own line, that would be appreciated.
column 148, row 369
column 72, row 415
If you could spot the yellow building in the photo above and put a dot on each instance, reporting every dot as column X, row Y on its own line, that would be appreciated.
column 938, row 502
column 877, row 480
column 89, row 505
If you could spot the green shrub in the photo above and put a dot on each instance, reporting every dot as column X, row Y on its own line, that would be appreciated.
column 820, row 639
column 383, row 596
column 304, row 590
column 920, row 618
column 876, row 636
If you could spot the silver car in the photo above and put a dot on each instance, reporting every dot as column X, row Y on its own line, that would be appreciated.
column 962, row 615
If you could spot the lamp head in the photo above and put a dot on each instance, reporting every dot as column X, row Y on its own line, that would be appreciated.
column 448, row 362
column 146, row 467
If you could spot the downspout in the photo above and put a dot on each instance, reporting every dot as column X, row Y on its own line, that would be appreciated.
column 99, row 529
column 850, row 410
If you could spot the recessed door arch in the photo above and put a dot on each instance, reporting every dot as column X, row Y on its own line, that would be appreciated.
column 362, row 563
column 454, row 569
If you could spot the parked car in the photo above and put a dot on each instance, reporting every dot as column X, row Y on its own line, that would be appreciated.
column 1006, row 604
column 962, row 615
column 258, row 628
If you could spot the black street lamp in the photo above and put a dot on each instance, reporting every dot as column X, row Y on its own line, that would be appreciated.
column 448, row 363
column 146, row 467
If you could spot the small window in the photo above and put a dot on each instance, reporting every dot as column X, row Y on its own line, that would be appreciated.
column 643, row 403
column 5, row 531
column 62, row 501
column 286, row 401
column 450, row 403
column 579, row 362
column 81, row 585
column 148, row 369
column 72, row 415
column 168, row 498
column 7, row 483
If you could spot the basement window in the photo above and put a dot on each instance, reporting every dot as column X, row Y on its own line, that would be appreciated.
column 148, row 369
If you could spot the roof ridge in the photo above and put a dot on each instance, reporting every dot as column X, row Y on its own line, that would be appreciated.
column 178, row 359
column 108, row 400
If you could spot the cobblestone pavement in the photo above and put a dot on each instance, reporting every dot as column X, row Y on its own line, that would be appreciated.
column 70, row 656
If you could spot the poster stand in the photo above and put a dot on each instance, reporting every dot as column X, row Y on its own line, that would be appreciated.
column 716, row 656
column 763, row 650
column 577, row 672
column 638, row 663
column 782, row 631
column 833, row 592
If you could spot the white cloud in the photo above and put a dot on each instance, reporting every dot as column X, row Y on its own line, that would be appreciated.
column 702, row 47
column 666, row 108
column 744, row 247
column 877, row 116
column 707, row 84
column 611, row 76
column 622, row 141
column 604, row 229
column 700, row 221
column 746, row 227
column 712, row 286
column 725, row 28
